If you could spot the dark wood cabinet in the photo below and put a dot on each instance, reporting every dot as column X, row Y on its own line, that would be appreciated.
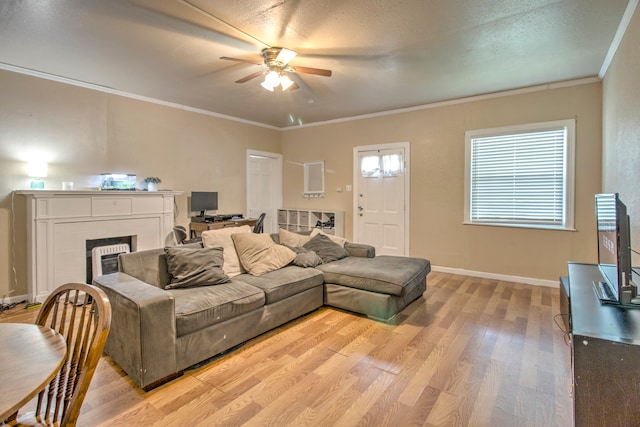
column 605, row 353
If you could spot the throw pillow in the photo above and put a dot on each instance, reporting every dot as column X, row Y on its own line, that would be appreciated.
column 305, row 257
column 222, row 238
column 326, row 248
column 190, row 267
column 339, row 240
column 259, row 254
column 289, row 238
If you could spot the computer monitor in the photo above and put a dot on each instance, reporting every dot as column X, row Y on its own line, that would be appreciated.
column 203, row 201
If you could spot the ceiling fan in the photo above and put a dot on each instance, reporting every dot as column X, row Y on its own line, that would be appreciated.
column 275, row 67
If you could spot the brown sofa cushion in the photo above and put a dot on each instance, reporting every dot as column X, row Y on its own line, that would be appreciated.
column 305, row 257
column 337, row 239
column 284, row 282
column 202, row 307
column 189, row 267
column 326, row 248
column 382, row 274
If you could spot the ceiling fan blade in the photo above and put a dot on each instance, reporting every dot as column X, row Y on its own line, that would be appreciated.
column 309, row 70
column 250, row 76
column 285, row 55
column 226, row 58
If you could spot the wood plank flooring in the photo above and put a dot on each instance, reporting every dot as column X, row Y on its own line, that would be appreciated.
column 470, row 352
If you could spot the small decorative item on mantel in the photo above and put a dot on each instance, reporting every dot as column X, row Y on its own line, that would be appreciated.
column 152, row 183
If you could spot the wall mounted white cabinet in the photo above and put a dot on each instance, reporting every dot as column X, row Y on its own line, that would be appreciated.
column 329, row 221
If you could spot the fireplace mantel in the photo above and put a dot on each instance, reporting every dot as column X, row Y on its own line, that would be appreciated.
column 60, row 222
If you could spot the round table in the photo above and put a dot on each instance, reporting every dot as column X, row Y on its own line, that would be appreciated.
column 30, row 356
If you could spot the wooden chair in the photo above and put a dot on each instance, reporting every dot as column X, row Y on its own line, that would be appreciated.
column 82, row 314
column 259, row 227
column 180, row 233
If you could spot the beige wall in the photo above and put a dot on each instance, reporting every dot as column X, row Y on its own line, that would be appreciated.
column 437, row 179
column 85, row 132
column 621, row 125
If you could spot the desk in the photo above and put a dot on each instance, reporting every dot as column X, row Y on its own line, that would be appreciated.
column 199, row 227
column 30, row 356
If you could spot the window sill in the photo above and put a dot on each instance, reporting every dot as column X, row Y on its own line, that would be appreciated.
column 527, row 226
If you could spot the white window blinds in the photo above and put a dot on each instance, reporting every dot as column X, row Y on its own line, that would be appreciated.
column 519, row 177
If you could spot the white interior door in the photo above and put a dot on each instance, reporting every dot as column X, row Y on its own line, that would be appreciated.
column 381, row 208
column 264, row 187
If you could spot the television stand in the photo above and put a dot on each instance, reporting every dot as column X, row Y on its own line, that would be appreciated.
column 605, row 350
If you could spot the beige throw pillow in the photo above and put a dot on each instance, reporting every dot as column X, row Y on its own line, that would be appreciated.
column 259, row 254
column 292, row 239
column 337, row 239
column 222, row 238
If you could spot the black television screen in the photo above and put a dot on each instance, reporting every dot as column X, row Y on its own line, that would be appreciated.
column 614, row 257
column 203, row 201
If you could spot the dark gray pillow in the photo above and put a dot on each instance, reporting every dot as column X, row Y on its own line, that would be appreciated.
column 305, row 257
column 189, row 267
column 326, row 248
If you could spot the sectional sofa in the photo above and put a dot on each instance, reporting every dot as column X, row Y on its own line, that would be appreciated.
column 169, row 314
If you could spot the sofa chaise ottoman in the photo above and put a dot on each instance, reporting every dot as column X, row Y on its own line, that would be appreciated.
column 379, row 287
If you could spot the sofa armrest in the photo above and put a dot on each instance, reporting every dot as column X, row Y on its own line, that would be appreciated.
column 142, row 339
column 360, row 250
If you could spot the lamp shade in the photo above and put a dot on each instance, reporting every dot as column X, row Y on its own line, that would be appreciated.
column 272, row 79
column 267, row 86
column 285, row 82
column 37, row 168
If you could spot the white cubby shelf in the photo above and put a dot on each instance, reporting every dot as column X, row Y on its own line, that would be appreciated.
column 329, row 221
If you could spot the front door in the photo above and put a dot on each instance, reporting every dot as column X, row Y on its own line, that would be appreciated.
column 381, row 199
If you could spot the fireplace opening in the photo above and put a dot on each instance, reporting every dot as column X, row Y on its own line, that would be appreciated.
column 102, row 254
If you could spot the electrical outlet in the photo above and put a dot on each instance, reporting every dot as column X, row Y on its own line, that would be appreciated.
column 348, row 188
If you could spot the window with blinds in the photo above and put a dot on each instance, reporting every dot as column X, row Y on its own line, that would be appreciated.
column 521, row 175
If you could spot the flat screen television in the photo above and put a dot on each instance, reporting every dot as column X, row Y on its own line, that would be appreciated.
column 614, row 252
column 203, row 201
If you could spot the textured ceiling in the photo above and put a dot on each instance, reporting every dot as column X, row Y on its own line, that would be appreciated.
column 384, row 54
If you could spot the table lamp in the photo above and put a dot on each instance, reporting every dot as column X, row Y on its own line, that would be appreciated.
column 37, row 169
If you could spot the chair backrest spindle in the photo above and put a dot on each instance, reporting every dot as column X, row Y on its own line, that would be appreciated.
column 82, row 314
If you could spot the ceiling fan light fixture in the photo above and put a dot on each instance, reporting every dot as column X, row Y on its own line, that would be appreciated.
column 267, row 86
column 276, row 66
column 272, row 78
column 285, row 82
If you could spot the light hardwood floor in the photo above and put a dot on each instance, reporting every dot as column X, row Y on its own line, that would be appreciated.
column 471, row 351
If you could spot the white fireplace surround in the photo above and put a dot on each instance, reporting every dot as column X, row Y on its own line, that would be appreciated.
column 59, row 223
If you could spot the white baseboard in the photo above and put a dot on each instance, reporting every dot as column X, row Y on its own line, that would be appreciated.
column 494, row 276
column 15, row 298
